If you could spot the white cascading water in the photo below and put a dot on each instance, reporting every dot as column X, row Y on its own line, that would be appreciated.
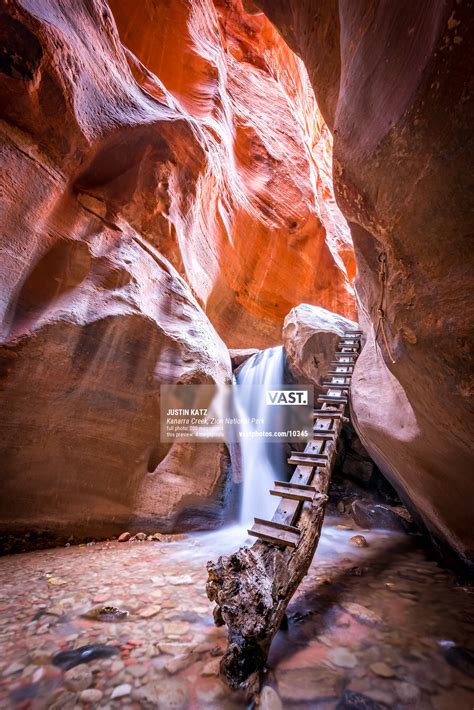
column 262, row 462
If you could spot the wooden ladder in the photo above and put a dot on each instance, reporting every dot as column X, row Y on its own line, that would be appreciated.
column 319, row 455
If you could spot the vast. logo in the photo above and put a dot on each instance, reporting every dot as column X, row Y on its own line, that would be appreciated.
column 286, row 397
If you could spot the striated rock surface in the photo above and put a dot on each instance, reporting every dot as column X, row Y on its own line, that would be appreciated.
column 243, row 203
column 160, row 160
column 310, row 336
column 93, row 317
column 393, row 81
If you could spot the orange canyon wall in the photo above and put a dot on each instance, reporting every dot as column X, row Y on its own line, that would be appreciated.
column 166, row 180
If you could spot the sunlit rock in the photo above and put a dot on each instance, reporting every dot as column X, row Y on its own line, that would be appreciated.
column 310, row 336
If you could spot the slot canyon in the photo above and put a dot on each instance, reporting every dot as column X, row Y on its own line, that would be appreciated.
column 232, row 196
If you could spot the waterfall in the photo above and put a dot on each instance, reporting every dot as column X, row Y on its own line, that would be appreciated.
column 262, row 462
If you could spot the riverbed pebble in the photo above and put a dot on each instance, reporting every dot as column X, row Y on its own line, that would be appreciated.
column 168, row 650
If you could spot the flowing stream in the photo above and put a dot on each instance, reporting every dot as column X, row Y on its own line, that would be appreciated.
column 262, row 462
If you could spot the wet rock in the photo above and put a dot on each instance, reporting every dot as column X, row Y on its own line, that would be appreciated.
column 211, row 668
column 163, row 695
column 269, row 699
column 240, row 355
column 140, row 536
column 175, row 648
column 78, row 678
column 177, row 580
column 178, row 663
column 362, row 614
column 461, row 658
column 137, row 671
column 149, row 611
column 210, row 690
column 121, row 691
column 91, row 695
column 357, row 701
column 13, row 668
column 305, row 684
column 117, row 666
column 83, row 654
column 106, row 613
column 124, row 537
column 359, row 541
column 368, row 514
column 407, row 692
column 382, row 669
column 64, row 700
column 380, row 695
column 342, row 658
column 175, row 628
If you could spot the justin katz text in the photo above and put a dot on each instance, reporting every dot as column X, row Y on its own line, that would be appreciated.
column 186, row 412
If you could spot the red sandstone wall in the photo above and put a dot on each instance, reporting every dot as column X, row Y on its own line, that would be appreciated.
column 256, row 229
column 394, row 81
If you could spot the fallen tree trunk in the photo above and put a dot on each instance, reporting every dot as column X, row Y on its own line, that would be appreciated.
column 253, row 587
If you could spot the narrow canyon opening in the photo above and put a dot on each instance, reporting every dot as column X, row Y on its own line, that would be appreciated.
column 236, row 299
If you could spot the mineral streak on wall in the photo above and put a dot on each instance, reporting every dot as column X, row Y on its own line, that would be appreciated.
column 253, row 227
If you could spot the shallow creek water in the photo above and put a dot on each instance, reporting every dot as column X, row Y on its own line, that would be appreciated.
column 377, row 621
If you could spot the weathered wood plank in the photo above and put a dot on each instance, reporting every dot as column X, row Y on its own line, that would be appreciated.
column 330, row 399
column 278, row 537
column 328, row 414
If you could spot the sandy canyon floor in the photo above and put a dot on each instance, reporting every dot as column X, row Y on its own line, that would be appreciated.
column 375, row 627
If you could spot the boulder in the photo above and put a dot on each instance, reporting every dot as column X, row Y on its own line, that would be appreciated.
column 310, row 336
column 368, row 514
column 239, row 356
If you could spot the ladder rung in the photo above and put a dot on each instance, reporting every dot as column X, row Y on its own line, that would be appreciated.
column 352, row 355
column 333, row 373
column 292, row 494
column 305, row 461
column 353, row 332
column 336, row 385
column 278, row 526
column 296, row 486
column 309, row 454
column 336, row 400
column 323, row 434
column 328, row 414
column 269, row 534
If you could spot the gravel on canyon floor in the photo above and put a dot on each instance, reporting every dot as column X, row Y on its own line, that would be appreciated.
column 373, row 627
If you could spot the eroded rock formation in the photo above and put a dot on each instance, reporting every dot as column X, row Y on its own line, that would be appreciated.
column 160, row 159
column 394, row 83
column 254, row 227
column 94, row 319
column 310, row 335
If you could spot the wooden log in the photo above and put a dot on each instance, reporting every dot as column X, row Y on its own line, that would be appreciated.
column 252, row 587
